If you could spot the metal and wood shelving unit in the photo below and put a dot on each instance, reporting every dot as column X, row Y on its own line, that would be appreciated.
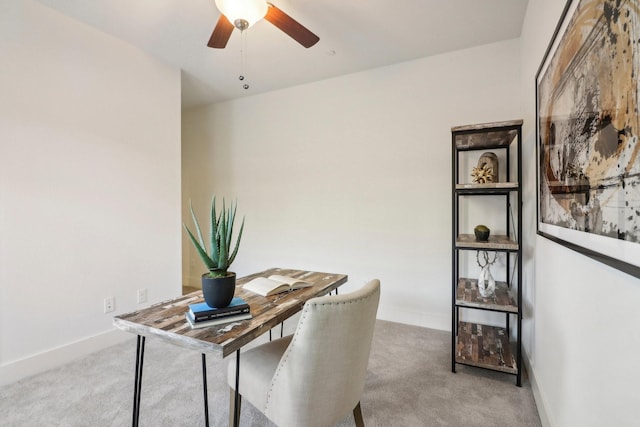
column 486, row 346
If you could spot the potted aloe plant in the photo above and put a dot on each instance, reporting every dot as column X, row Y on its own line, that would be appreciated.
column 219, row 284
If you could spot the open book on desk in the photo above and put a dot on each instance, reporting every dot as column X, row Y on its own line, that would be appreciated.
column 274, row 284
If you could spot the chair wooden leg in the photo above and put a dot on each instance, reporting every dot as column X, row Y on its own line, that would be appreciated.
column 232, row 407
column 357, row 416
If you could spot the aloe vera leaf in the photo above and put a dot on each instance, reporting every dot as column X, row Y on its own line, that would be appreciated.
column 230, row 215
column 195, row 221
column 235, row 251
column 203, row 254
column 215, row 254
column 223, row 260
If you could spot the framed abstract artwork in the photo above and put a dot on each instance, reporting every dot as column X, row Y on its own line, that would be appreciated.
column 587, row 127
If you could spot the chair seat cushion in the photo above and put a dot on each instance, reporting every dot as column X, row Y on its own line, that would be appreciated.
column 257, row 367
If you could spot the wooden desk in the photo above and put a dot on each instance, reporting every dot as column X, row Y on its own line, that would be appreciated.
column 167, row 321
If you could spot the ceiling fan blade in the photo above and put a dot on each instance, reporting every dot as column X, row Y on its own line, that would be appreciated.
column 290, row 26
column 221, row 33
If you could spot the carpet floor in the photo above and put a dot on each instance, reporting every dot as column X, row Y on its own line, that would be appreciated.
column 409, row 383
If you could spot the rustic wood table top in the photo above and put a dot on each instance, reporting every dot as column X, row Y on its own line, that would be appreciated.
column 167, row 319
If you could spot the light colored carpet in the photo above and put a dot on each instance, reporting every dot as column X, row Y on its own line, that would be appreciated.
column 409, row 383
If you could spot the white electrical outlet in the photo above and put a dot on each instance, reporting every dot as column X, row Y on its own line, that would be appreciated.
column 109, row 304
column 142, row 295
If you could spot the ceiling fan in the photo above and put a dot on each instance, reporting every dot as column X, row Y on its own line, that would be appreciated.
column 243, row 14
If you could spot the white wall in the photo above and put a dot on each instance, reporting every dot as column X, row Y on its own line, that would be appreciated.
column 352, row 174
column 89, row 185
column 581, row 321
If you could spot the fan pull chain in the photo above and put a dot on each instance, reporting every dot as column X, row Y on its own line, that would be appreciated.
column 243, row 59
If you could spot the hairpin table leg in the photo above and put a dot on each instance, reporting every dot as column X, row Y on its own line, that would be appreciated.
column 204, row 389
column 236, row 416
column 137, row 386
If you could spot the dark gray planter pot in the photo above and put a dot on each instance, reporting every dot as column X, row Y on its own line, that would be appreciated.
column 218, row 291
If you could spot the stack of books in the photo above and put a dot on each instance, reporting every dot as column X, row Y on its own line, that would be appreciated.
column 201, row 315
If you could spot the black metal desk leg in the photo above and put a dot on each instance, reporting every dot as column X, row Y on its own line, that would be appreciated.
column 236, row 416
column 281, row 331
column 204, row 389
column 137, row 386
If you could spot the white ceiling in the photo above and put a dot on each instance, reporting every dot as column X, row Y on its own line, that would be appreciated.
column 355, row 35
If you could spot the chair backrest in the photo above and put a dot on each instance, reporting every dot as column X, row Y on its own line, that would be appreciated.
column 321, row 375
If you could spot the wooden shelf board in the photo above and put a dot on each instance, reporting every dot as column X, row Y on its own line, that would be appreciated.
column 499, row 242
column 485, row 141
column 485, row 136
column 485, row 347
column 468, row 295
column 488, row 186
column 490, row 125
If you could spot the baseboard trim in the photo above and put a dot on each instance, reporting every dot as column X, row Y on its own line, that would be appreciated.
column 41, row 362
column 415, row 318
column 538, row 396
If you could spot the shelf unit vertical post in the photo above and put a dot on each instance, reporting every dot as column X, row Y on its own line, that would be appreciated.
column 454, row 264
column 519, row 255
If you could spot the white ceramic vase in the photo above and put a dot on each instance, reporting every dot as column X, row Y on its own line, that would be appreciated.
column 486, row 284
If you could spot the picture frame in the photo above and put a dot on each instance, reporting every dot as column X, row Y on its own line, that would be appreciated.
column 587, row 127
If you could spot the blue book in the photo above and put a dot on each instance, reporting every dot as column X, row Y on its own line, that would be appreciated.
column 202, row 311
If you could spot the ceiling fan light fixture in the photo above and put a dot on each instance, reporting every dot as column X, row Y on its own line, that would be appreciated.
column 242, row 13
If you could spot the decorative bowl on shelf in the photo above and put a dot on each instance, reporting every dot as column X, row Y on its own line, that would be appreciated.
column 482, row 233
